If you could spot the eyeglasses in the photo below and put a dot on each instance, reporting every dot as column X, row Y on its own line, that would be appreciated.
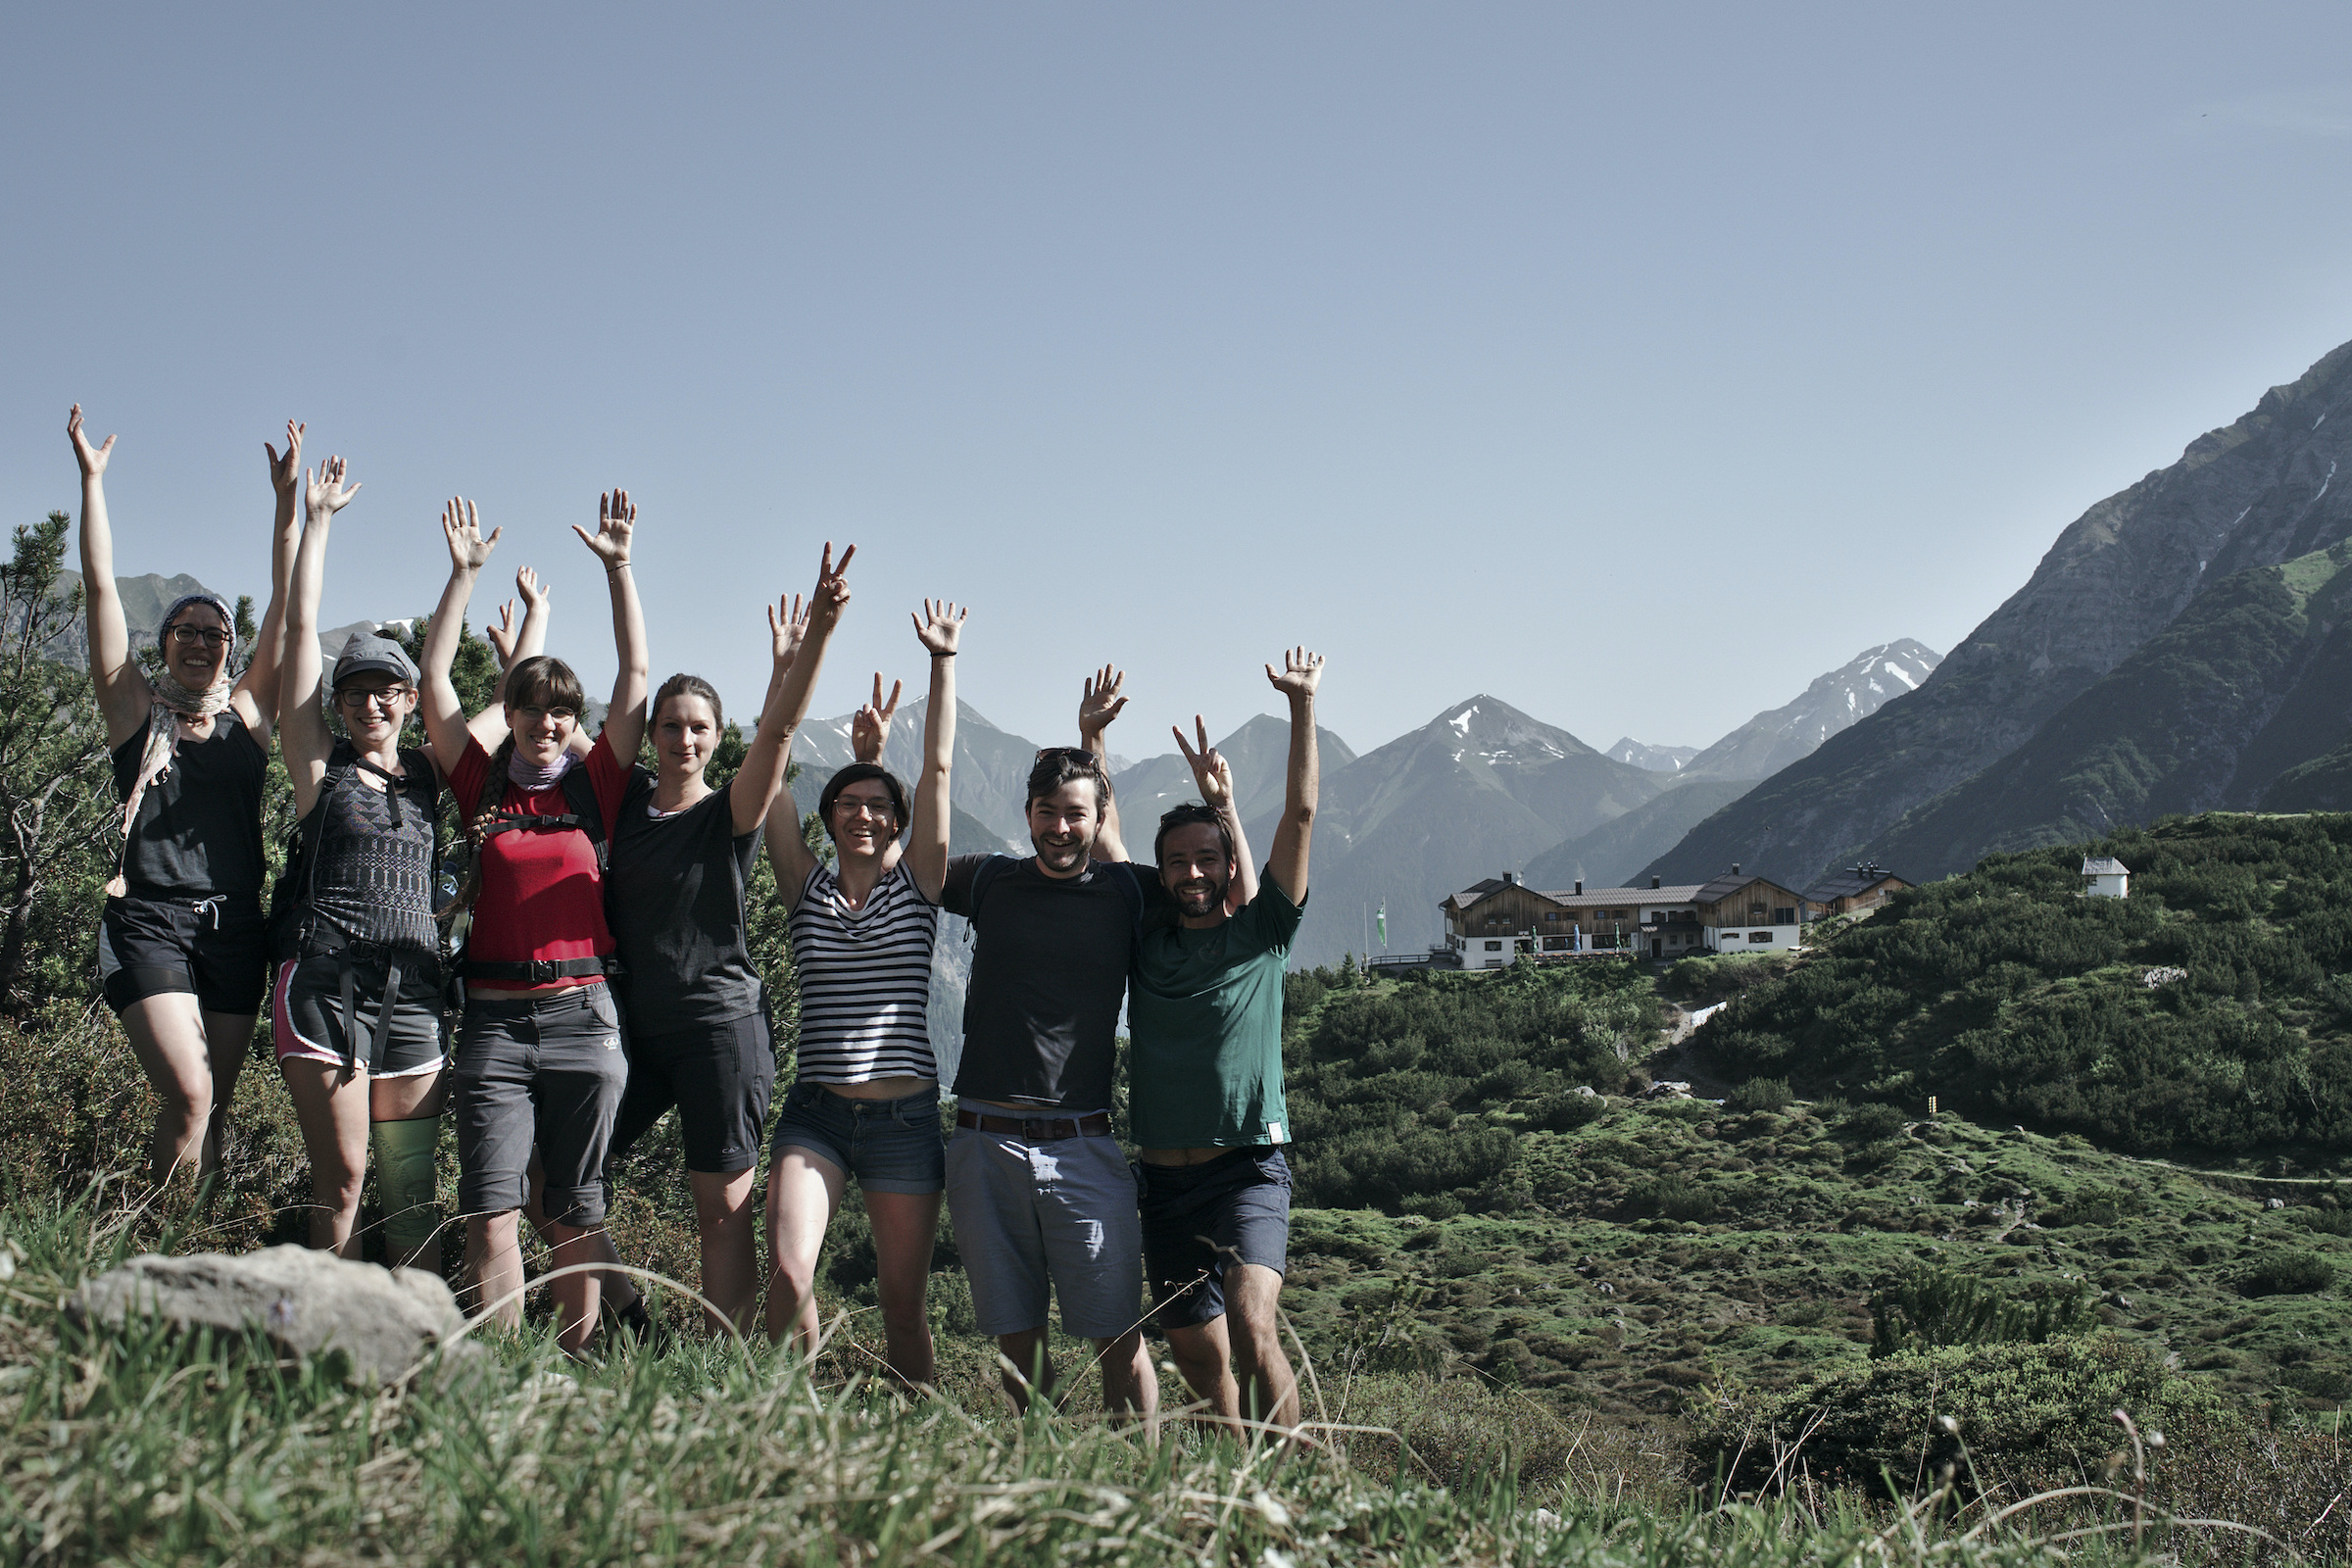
column 387, row 697
column 854, row 807
column 190, row 636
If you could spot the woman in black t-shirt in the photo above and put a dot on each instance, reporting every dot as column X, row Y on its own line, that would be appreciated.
column 698, row 1035
column 181, row 946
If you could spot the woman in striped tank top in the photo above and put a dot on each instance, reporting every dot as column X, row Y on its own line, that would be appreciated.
column 866, row 1101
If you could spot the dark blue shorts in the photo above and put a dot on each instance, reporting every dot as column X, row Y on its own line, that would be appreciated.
column 1197, row 1218
column 889, row 1146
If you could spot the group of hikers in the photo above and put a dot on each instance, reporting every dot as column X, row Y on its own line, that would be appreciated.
column 594, row 956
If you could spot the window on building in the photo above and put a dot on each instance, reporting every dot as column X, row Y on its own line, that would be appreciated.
column 1493, row 946
column 1759, row 936
column 1756, row 914
column 1785, row 914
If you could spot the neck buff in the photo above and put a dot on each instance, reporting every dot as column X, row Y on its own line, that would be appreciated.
column 531, row 779
column 171, row 700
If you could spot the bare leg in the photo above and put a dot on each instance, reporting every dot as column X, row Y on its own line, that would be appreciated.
column 576, row 1295
column 167, row 1035
column 804, row 1192
column 494, row 1260
column 905, row 1225
column 1025, row 1350
column 1130, row 1388
column 1269, row 1391
column 729, row 1226
column 1203, row 1354
column 229, row 1038
column 331, row 1107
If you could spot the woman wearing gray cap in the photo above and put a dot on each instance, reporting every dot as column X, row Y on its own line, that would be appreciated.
column 180, row 947
column 357, row 1013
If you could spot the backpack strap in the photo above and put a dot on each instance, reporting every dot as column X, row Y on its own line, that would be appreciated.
column 985, row 873
column 587, row 815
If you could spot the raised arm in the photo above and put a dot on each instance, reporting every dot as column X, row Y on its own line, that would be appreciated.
column 792, row 678
column 1212, row 776
column 489, row 726
column 124, row 695
column 438, row 708
column 940, row 628
column 304, row 738
column 1301, row 673
column 802, row 642
column 256, row 697
column 615, row 525
column 1098, row 704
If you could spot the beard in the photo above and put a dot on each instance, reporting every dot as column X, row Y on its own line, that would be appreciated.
column 1061, row 856
column 1200, row 897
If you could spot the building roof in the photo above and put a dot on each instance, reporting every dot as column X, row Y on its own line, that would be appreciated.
column 2104, row 865
column 1850, row 882
column 1607, row 898
column 1723, row 887
column 1475, row 892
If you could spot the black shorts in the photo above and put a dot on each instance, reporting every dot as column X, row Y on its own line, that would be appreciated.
column 1197, row 1218
column 718, row 1075
column 546, row 1070
column 153, row 943
column 307, row 1021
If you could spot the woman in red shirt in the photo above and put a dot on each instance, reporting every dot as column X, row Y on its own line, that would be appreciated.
column 539, row 1054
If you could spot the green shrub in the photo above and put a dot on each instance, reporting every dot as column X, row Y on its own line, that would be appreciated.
column 2036, row 1409
column 1870, row 1123
column 1567, row 1112
column 1671, row 1197
column 1932, row 1307
column 1761, row 1093
column 2325, row 1221
column 2285, row 1273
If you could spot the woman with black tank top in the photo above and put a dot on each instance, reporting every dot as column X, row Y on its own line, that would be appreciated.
column 697, row 1026
column 180, row 947
column 866, row 1102
column 357, row 1013
column 539, row 1057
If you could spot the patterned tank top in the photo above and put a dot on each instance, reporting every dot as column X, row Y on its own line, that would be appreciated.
column 865, row 980
column 374, row 881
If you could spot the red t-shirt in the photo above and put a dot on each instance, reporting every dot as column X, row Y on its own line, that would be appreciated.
column 541, row 897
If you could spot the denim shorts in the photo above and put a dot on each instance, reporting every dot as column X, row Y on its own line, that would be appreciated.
column 1235, row 1209
column 1033, row 1213
column 889, row 1146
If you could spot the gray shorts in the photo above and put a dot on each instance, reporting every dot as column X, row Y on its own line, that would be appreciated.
column 547, row 1070
column 1061, row 1211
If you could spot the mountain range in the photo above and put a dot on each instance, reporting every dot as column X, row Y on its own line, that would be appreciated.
column 2177, row 648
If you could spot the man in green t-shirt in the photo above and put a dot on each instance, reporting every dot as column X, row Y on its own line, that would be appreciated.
column 1204, row 1064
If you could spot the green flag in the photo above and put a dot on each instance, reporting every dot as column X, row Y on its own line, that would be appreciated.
column 1383, row 919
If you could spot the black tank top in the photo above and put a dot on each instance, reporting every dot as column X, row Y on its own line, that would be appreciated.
column 199, row 830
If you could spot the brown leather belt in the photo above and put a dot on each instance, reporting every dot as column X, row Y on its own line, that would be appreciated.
column 1036, row 1129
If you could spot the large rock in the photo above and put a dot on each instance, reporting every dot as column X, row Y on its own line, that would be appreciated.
column 385, row 1320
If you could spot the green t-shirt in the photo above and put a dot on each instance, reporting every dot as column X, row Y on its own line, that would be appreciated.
column 1204, row 1030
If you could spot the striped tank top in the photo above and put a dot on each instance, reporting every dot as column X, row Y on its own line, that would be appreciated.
column 865, row 980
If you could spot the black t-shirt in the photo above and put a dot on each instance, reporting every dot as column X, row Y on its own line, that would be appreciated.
column 674, row 897
column 199, row 830
column 1049, row 962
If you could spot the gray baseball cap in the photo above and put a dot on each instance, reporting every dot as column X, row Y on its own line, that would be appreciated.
column 368, row 654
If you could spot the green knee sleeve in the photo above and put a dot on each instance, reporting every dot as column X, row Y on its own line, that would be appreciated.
column 404, row 1181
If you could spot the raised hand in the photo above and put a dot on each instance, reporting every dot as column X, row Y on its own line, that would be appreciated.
column 787, row 624
column 282, row 471
column 1099, row 703
column 534, row 596
column 1210, row 771
column 502, row 636
column 937, row 629
column 92, row 459
column 327, row 494
column 869, row 727
column 831, row 594
column 1301, row 673
column 616, row 522
column 462, row 526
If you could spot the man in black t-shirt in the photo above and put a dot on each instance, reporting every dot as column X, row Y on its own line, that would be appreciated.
column 1040, row 1190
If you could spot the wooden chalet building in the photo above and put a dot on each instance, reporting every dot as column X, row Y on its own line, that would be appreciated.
column 1847, row 892
column 1498, row 921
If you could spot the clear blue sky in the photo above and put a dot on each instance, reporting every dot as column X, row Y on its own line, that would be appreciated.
column 1632, row 365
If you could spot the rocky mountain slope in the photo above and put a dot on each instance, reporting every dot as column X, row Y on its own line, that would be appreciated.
column 1479, row 788
column 1653, row 758
column 2253, row 678
column 1258, row 753
column 1609, row 854
column 2256, row 493
column 1837, row 700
